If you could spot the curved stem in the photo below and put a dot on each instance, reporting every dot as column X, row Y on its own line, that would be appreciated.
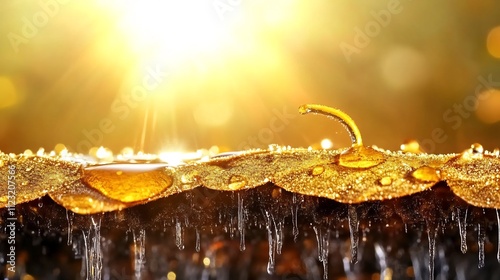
column 338, row 115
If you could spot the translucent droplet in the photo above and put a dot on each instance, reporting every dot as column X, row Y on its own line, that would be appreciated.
column 385, row 181
column 496, row 152
column 317, row 170
column 411, row 146
column 179, row 236
column 477, row 148
column 426, row 174
column 241, row 222
column 352, row 216
column 236, row 182
column 481, row 236
column 462, row 226
column 361, row 157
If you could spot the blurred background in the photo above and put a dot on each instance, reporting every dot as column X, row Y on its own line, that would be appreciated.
column 183, row 75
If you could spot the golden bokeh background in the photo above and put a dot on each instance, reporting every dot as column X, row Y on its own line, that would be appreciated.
column 183, row 75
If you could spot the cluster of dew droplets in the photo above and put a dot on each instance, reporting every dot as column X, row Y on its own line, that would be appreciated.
column 139, row 251
column 93, row 252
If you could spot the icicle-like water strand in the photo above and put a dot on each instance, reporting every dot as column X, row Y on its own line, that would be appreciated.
column 498, row 225
column 179, row 234
column 323, row 239
column 352, row 216
column 93, row 253
column 296, row 200
column 70, row 216
column 139, row 252
column 462, row 226
column 198, row 240
column 241, row 221
column 481, row 236
column 271, row 229
column 432, row 231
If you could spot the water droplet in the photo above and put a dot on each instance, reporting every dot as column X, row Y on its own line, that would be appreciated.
column 385, row 181
column 462, row 226
column 426, row 174
column 317, row 170
column 361, row 157
column 352, row 216
column 236, row 182
column 69, row 217
column 496, row 152
column 431, row 235
column 241, row 221
column 477, row 148
column 481, row 236
column 139, row 252
column 411, row 146
column 498, row 225
column 179, row 236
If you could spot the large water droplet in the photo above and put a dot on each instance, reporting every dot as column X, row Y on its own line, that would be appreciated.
column 426, row 174
column 477, row 148
column 317, row 170
column 236, row 182
column 385, row 181
column 462, row 226
column 352, row 216
column 361, row 157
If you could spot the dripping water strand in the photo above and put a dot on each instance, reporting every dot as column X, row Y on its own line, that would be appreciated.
column 498, row 225
column 179, row 235
column 431, row 235
column 295, row 210
column 462, row 226
column 271, row 240
column 352, row 216
column 323, row 240
column 481, row 236
column 93, row 253
column 198, row 241
column 139, row 252
column 70, row 216
column 241, row 221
